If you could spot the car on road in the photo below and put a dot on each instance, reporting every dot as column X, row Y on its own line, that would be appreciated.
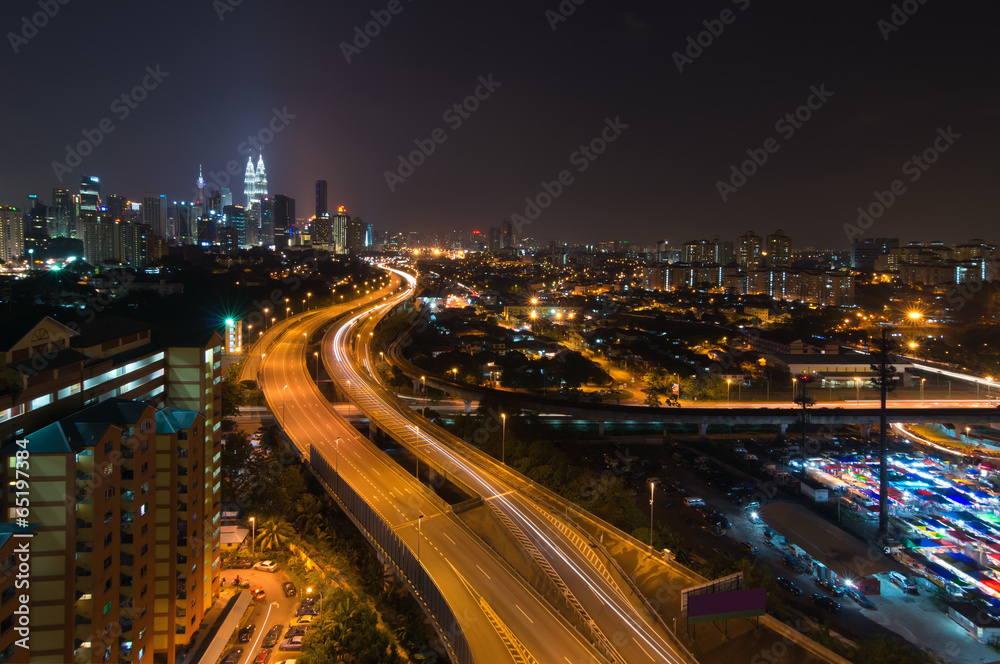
column 303, row 621
column 266, row 566
column 903, row 582
column 273, row 636
column 787, row 584
column 257, row 592
column 289, row 588
column 693, row 501
column 262, row 656
column 247, row 632
column 748, row 548
column 233, row 656
column 825, row 603
column 306, row 611
column 860, row 599
column 832, row 588
column 293, row 643
column 750, row 457
column 792, row 563
column 715, row 531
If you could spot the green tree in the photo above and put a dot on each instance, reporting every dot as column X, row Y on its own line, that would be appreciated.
column 234, row 394
column 274, row 534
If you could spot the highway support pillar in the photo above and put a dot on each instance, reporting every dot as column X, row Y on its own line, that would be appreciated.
column 600, row 429
column 703, row 429
column 782, row 429
column 468, row 406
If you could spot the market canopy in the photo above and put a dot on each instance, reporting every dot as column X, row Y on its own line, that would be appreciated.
column 831, row 545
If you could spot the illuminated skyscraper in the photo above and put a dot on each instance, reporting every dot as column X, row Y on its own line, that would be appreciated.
column 255, row 181
column 200, row 183
column 90, row 194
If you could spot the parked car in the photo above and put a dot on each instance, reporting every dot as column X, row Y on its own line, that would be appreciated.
column 262, row 656
column 860, row 599
column 308, row 600
column 792, row 563
column 273, row 636
column 295, row 631
column 257, row 592
column 287, row 661
column 692, row 501
column 240, row 563
column 289, row 589
column 306, row 611
column 829, row 587
column 748, row 548
column 301, row 621
column 233, row 656
column 293, row 643
column 825, row 603
column 787, row 584
column 266, row 566
column 247, row 632
column 903, row 582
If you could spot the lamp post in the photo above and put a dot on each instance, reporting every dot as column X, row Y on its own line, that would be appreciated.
column 337, row 466
column 922, row 381
column 729, row 385
column 253, row 536
column 652, row 493
column 968, row 430
column 288, row 310
column 454, row 373
column 283, row 405
column 793, row 388
column 309, row 592
column 266, row 312
column 308, row 301
column 503, row 438
column 419, row 519
column 857, row 391
column 316, row 355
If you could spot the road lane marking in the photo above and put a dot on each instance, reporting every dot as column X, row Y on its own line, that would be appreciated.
column 522, row 611
column 483, row 571
column 643, row 649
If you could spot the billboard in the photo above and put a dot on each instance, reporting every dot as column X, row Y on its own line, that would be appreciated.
column 727, row 605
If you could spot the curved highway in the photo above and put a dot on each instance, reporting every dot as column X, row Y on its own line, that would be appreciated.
column 629, row 634
column 503, row 619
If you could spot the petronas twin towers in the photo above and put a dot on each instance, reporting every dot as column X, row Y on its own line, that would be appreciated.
column 255, row 182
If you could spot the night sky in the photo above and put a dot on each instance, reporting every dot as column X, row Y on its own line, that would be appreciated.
column 657, row 180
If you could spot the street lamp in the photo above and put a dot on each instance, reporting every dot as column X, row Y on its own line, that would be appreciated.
column 503, row 439
column 922, row 381
column 652, row 492
column 729, row 385
column 857, row 391
column 968, row 430
column 419, row 519
column 454, row 373
column 309, row 592
column 253, row 536
column 793, row 388
column 316, row 355
column 266, row 312
column 308, row 301
column 283, row 405
column 288, row 310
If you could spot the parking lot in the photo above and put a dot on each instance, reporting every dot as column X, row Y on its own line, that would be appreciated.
column 724, row 522
column 273, row 609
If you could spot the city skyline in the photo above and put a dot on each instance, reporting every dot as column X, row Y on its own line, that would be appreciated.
column 546, row 94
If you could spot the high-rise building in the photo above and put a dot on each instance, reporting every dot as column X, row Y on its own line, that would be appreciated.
column 355, row 236
column 226, row 196
column 200, row 185
column 509, row 235
column 749, row 250
column 154, row 213
column 864, row 252
column 265, row 222
column 321, row 208
column 255, row 181
column 102, row 240
column 11, row 233
column 320, row 232
column 90, row 194
column 369, row 236
column 135, row 239
column 130, row 492
column 779, row 249
column 117, row 206
column 495, row 240
column 283, row 220
column 702, row 251
column 339, row 224
column 36, row 226
column 236, row 218
column 63, row 213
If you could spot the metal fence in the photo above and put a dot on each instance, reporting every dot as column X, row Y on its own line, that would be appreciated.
column 381, row 535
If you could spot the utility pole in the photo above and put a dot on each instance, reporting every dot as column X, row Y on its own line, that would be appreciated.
column 885, row 380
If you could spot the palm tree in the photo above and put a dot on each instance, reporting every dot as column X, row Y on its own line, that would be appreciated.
column 274, row 534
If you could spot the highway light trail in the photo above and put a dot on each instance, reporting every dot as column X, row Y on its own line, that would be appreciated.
column 359, row 387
